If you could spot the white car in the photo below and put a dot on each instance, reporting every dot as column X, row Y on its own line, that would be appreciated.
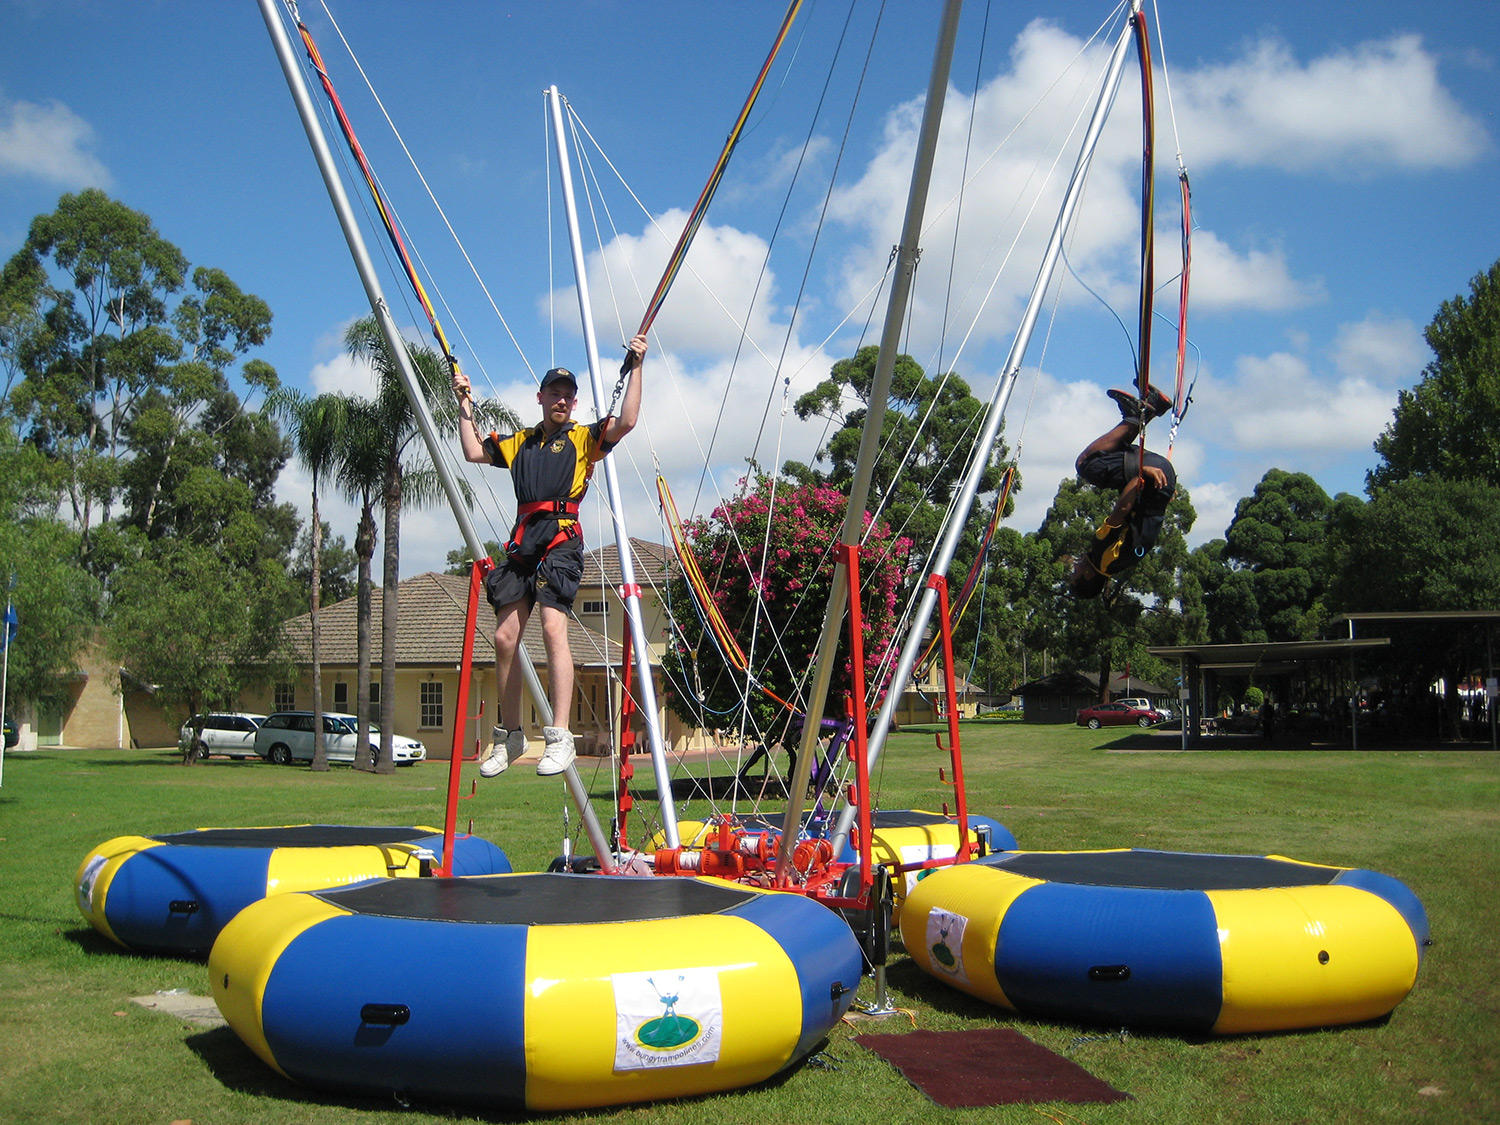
column 287, row 736
column 231, row 733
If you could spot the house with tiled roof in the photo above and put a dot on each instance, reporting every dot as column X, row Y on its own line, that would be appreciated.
column 431, row 612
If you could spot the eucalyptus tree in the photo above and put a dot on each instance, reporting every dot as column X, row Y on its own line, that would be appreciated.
column 102, row 338
column 120, row 366
column 928, row 422
column 1448, row 425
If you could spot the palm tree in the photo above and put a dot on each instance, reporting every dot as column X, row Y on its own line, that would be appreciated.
column 360, row 470
column 406, row 477
column 317, row 429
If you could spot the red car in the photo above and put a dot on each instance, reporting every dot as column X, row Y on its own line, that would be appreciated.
column 1117, row 714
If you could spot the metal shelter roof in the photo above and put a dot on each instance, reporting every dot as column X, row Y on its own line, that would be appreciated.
column 1266, row 656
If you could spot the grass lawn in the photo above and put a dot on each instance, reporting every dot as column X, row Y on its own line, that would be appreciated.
column 74, row 1049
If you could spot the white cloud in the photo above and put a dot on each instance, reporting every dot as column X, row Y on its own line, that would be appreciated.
column 1258, row 279
column 1386, row 351
column 1214, row 502
column 1372, row 106
column 49, row 142
column 702, row 317
column 1278, row 404
column 342, row 374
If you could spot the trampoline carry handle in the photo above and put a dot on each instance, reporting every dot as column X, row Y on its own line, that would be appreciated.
column 392, row 1015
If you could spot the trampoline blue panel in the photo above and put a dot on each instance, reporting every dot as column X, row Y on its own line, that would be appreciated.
column 218, row 882
column 463, row 1010
column 821, row 947
column 1095, row 953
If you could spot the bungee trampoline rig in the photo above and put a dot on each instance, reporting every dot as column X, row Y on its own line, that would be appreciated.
column 734, row 944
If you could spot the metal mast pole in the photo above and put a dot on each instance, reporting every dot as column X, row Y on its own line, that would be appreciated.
column 629, row 591
column 993, row 418
column 869, row 442
column 367, row 275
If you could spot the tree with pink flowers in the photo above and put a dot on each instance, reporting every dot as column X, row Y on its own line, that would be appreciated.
column 767, row 559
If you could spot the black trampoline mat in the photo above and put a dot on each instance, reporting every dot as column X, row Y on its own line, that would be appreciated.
column 537, row 899
column 296, row 836
column 1165, row 871
column 906, row 818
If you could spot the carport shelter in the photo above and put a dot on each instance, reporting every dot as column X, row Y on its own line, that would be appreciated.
column 1204, row 666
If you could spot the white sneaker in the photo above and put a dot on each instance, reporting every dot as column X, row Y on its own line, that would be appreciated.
column 505, row 747
column 558, row 753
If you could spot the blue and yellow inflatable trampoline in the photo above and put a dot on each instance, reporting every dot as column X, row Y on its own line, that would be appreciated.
column 537, row 991
column 174, row 893
column 1216, row 944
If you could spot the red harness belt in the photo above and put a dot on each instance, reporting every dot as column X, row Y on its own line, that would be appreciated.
column 527, row 512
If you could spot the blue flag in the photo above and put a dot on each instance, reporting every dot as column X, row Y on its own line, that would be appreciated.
column 12, row 625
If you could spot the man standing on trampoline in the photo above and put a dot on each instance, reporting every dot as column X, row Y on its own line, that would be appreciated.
column 1145, row 485
column 550, row 465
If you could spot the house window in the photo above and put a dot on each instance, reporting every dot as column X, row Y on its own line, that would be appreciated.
column 284, row 697
column 374, row 713
column 341, row 697
column 430, row 698
column 594, row 607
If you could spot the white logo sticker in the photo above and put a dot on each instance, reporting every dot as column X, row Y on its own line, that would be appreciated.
column 674, row 1017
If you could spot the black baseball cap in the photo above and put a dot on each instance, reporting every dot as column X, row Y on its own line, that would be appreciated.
column 557, row 373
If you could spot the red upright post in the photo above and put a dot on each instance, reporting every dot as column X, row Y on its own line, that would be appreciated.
column 945, row 627
column 480, row 568
column 859, row 735
column 627, row 735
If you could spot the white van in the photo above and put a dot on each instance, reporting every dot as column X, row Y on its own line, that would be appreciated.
column 287, row 736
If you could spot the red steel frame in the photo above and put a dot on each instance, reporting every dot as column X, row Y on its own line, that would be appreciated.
column 730, row 855
column 477, row 572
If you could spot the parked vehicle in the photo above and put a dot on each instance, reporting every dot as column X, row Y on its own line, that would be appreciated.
column 1118, row 713
column 287, row 736
column 1140, row 702
column 12, row 735
column 231, row 733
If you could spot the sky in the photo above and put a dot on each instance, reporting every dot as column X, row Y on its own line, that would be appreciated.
column 1343, row 161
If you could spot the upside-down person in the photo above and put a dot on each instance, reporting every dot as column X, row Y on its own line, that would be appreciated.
column 1145, row 485
column 550, row 465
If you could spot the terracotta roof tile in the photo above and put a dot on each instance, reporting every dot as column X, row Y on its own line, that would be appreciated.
column 431, row 608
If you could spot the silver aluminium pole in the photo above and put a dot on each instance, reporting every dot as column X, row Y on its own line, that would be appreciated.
column 907, row 254
column 629, row 592
column 367, row 275
column 943, row 559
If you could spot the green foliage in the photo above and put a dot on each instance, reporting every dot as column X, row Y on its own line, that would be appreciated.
column 55, row 598
column 1253, row 698
column 994, row 631
column 337, row 568
column 1425, row 543
column 1449, row 424
column 1280, row 536
column 125, row 382
column 460, row 562
column 929, row 425
column 200, row 631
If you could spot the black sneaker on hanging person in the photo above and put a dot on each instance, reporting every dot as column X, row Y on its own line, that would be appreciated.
column 1144, row 485
column 550, row 466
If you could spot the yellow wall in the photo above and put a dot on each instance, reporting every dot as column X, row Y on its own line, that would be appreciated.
column 590, row 718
